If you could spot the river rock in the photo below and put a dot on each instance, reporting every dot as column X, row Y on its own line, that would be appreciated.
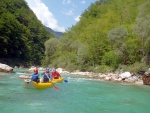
column 39, row 68
column 125, row 75
column 60, row 70
column 146, row 79
column 107, row 78
column 117, row 79
column 5, row 68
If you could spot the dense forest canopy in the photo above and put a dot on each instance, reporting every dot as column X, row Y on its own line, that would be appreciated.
column 22, row 35
column 110, row 33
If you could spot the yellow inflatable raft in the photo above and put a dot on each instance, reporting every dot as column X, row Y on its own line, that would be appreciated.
column 42, row 85
column 60, row 79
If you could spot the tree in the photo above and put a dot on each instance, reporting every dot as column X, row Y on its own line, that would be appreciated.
column 103, row 32
column 117, row 39
column 142, row 29
column 51, row 46
column 22, row 35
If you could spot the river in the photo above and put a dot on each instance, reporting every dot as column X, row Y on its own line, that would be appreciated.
column 78, row 95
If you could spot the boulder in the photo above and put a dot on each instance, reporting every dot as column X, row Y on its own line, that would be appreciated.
column 59, row 70
column 107, row 78
column 125, row 75
column 141, row 72
column 146, row 79
column 5, row 68
column 32, row 68
column 39, row 68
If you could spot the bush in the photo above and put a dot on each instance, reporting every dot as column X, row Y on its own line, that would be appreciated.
column 71, row 67
column 136, row 67
column 102, row 69
column 110, row 59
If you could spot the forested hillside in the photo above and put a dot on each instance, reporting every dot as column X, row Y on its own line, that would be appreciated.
column 110, row 34
column 22, row 35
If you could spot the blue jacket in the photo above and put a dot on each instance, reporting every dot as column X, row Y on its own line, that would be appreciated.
column 35, row 77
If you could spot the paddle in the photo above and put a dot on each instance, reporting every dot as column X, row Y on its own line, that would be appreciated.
column 65, row 81
column 24, row 77
column 55, row 87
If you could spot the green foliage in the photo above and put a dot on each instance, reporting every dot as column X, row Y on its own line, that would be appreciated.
column 142, row 29
column 51, row 46
column 103, row 39
column 116, row 36
column 104, row 69
column 22, row 34
column 111, row 59
column 136, row 67
column 83, row 54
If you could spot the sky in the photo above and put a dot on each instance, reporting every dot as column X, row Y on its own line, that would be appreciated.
column 59, row 15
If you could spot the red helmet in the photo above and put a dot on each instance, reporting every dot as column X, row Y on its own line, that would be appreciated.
column 35, row 70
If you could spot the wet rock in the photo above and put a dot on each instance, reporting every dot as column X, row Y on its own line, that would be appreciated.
column 141, row 72
column 146, row 79
column 107, row 78
column 118, row 80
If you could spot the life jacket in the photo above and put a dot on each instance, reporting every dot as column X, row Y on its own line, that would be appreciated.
column 47, row 74
column 55, row 75
column 35, row 77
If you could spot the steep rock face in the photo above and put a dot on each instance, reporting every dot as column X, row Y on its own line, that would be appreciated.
column 146, row 79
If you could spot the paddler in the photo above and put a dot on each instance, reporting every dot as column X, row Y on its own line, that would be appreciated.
column 55, row 74
column 47, row 75
column 35, row 76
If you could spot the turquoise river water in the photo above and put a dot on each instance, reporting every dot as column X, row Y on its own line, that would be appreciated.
column 79, row 95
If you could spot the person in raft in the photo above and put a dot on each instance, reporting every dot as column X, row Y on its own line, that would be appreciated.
column 47, row 75
column 35, row 76
column 55, row 74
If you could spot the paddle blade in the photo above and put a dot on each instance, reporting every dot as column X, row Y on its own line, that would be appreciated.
column 66, row 81
column 55, row 87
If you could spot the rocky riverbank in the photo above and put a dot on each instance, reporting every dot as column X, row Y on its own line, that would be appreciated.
column 126, row 77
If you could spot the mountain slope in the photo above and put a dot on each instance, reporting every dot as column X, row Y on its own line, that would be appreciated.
column 55, row 33
column 106, row 37
column 22, row 34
